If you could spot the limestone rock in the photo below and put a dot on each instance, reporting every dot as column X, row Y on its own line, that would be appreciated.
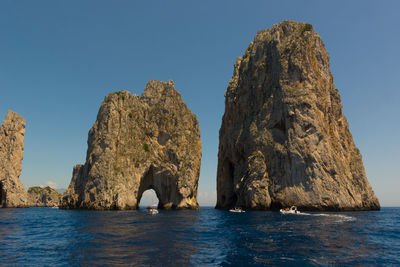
column 137, row 143
column 12, row 193
column 44, row 196
column 284, row 139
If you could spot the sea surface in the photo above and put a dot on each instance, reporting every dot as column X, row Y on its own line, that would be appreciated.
column 53, row 237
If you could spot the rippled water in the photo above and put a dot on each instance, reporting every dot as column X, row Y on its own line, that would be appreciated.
column 45, row 236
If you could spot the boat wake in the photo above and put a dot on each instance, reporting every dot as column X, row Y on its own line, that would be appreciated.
column 339, row 217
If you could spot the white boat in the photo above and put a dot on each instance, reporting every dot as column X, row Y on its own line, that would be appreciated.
column 237, row 209
column 292, row 210
column 153, row 211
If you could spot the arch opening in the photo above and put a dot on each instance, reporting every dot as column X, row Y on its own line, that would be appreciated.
column 148, row 190
column 148, row 198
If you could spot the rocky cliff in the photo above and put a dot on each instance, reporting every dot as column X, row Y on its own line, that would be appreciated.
column 12, row 192
column 284, row 139
column 137, row 143
column 44, row 196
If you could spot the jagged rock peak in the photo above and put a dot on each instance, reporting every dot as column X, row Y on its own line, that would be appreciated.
column 139, row 143
column 12, row 192
column 156, row 90
column 284, row 139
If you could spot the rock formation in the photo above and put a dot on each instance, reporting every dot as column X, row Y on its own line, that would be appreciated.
column 284, row 139
column 137, row 143
column 12, row 193
column 44, row 196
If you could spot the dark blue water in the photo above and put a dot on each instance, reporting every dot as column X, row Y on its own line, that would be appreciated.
column 45, row 236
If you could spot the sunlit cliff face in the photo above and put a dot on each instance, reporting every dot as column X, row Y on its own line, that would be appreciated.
column 284, row 139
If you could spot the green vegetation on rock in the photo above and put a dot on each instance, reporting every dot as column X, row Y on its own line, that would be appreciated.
column 146, row 147
column 307, row 28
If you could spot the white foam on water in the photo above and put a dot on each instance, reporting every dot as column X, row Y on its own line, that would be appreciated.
column 340, row 217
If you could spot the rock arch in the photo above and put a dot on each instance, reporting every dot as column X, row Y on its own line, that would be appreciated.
column 164, row 185
column 146, row 183
column 139, row 142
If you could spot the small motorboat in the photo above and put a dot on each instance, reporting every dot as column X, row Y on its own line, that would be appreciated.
column 237, row 209
column 292, row 210
column 153, row 211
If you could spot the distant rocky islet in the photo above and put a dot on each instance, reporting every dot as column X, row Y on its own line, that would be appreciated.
column 44, row 196
column 283, row 141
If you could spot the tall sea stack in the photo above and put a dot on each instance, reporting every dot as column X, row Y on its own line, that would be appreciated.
column 284, row 139
column 137, row 143
column 12, row 192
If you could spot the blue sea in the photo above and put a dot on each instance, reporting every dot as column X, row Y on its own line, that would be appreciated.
column 53, row 237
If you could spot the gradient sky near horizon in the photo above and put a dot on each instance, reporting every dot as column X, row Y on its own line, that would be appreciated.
column 58, row 59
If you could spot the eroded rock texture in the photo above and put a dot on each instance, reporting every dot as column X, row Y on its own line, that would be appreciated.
column 137, row 143
column 44, row 196
column 284, row 139
column 12, row 192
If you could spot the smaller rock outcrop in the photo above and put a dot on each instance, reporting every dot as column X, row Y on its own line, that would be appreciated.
column 44, row 196
column 12, row 193
column 138, row 143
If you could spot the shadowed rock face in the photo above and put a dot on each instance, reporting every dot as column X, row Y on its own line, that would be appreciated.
column 284, row 139
column 12, row 193
column 138, row 143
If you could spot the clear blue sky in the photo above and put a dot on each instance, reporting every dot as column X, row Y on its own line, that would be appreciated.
column 58, row 59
